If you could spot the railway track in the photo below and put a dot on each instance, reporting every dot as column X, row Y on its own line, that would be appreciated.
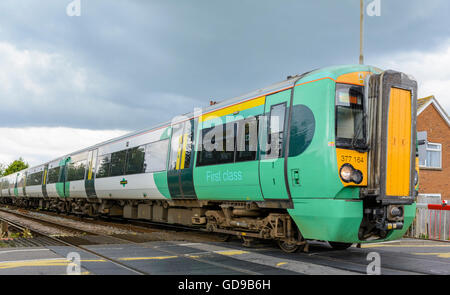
column 39, row 240
column 60, row 241
column 121, row 240
column 138, row 226
column 319, row 255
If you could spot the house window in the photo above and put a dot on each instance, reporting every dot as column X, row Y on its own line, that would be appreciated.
column 433, row 157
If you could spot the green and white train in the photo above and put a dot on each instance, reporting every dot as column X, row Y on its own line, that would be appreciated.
column 327, row 155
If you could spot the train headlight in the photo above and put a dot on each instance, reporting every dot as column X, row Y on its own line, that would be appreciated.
column 346, row 172
column 416, row 177
column 350, row 174
column 357, row 176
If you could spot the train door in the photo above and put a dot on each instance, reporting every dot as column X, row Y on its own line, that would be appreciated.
column 44, row 183
column 16, row 185
column 63, row 179
column 10, row 186
column 24, row 185
column 180, row 175
column 273, row 138
column 89, row 178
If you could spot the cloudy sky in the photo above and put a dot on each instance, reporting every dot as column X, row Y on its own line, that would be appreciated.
column 67, row 82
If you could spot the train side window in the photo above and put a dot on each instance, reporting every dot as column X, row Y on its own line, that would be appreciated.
column 276, row 131
column 103, row 165
column 53, row 175
column 156, row 156
column 247, row 139
column 205, row 157
column 118, row 163
column 135, row 160
column 76, row 171
column 217, row 148
column 35, row 178
column 29, row 179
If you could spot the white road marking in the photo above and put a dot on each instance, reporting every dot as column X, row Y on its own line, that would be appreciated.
column 188, row 244
column 28, row 250
column 292, row 265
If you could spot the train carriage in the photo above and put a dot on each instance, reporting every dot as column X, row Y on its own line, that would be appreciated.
column 54, row 179
column 326, row 155
column 19, row 190
column 74, row 176
column 126, row 169
column 34, row 179
column 11, row 185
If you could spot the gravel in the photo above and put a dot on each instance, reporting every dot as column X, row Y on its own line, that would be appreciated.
column 30, row 224
column 150, row 234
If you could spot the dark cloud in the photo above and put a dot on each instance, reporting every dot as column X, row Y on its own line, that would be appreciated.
column 132, row 64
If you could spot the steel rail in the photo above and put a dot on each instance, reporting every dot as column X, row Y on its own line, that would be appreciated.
column 127, row 241
column 112, row 260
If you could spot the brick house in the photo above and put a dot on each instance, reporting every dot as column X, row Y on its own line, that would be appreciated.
column 433, row 134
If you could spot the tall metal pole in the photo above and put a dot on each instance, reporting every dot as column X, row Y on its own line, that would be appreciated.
column 361, row 33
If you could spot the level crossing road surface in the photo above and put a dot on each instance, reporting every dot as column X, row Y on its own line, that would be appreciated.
column 407, row 256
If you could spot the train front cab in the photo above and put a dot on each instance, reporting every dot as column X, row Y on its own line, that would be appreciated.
column 364, row 190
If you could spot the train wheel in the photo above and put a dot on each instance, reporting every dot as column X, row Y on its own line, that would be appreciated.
column 340, row 246
column 289, row 247
column 293, row 246
column 223, row 237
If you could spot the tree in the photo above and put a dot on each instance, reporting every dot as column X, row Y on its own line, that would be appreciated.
column 15, row 166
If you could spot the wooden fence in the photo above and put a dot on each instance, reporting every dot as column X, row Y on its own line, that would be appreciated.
column 432, row 222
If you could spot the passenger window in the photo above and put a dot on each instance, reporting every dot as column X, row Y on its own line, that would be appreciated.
column 247, row 139
column 76, row 171
column 103, row 165
column 29, row 179
column 53, row 175
column 118, row 163
column 135, row 160
column 156, row 156
column 204, row 156
column 35, row 178
column 217, row 146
